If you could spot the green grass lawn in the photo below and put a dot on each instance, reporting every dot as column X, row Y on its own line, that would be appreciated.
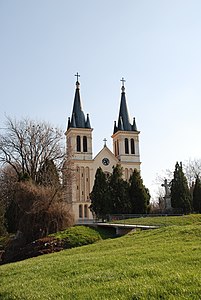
column 78, row 236
column 164, row 263
column 164, row 221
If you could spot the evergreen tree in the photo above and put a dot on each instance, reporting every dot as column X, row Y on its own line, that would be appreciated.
column 197, row 196
column 99, row 196
column 180, row 193
column 138, row 194
column 119, row 197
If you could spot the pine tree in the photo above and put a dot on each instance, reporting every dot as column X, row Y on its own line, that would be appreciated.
column 99, row 196
column 197, row 196
column 138, row 194
column 180, row 193
column 119, row 197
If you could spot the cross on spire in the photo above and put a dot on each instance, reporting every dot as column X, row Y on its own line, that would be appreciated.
column 123, row 80
column 77, row 75
column 105, row 140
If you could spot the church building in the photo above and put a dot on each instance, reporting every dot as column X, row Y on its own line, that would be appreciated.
column 80, row 167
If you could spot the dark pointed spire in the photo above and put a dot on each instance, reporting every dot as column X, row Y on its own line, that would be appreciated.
column 115, row 127
column 77, row 108
column 134, row 127
column 120, row 124
column 69, row 123
column 78, row 117
column 124, row 123
column 73, row 122
column 87, row 123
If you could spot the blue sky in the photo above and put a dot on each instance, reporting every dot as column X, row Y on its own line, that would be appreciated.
column 154, row 44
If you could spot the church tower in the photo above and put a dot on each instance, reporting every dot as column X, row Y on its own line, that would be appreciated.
column 126, row 139
column 80, row 166
column 79, row 131
column 79, row 159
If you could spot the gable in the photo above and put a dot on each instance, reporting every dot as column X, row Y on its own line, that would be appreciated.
column 105, row 159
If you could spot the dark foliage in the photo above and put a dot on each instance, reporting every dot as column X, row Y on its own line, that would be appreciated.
column 113, row 195
column 118, row 192
column 12, row 216
column 100, row 202
column 17, row 250
column 138, row 194
column 180, row 194
column 197, row 196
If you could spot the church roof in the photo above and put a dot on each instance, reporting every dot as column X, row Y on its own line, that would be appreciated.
column 105, row 150
column 78, row 119
column 124, row 123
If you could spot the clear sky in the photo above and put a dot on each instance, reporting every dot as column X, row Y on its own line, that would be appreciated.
column 154, row 44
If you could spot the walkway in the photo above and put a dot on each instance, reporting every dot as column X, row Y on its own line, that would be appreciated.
column 122, row 229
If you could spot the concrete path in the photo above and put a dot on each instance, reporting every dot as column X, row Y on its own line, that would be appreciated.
column 122, row 229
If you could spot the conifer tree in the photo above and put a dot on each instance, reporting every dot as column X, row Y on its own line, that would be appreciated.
column 119, row 197
column 99, row 196
column 180, row 194
column 138, row 194
column 197, row 196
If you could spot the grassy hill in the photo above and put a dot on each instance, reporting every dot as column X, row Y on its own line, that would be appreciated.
column 158, row 264
column 164, row 221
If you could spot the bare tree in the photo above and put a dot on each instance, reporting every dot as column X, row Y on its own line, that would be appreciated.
column 31, row 154
column 165, row 175
column 69, row 174
column 8, row 178
column 43, row 210
column 192, row 170
column 26, row 145
column 33, row 209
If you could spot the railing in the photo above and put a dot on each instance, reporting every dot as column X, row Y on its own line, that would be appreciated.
column 117, row 217
column 85, row 221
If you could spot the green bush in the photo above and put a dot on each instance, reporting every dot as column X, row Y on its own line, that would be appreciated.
column 78, row 236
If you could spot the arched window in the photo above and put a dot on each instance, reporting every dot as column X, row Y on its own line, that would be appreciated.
column 84, row 144
column 80, row 211
column 78, row 144
column 86, row 211
column 132, row 146
column 126, row 146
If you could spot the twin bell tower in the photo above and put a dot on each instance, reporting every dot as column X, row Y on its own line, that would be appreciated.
column 80, row 166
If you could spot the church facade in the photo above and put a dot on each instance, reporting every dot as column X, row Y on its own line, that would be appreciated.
column 80, row 166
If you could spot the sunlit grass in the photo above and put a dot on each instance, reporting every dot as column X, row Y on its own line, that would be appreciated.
column 78, row 236
column 164, row 221
column 158, row 264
